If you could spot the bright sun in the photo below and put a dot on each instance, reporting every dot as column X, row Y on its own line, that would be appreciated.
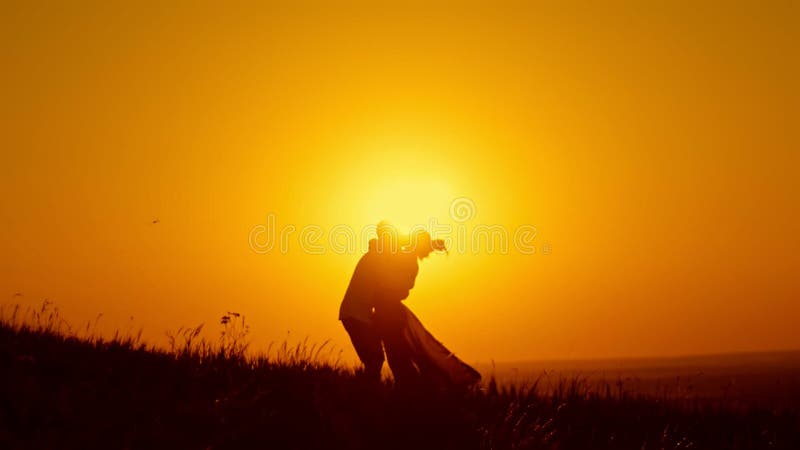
column 409, row 202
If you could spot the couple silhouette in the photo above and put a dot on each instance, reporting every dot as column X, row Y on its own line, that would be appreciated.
column 374, row 316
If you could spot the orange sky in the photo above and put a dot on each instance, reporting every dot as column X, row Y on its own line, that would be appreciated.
column 655, row 150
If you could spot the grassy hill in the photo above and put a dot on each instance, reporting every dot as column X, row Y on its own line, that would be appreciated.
column 62, row 390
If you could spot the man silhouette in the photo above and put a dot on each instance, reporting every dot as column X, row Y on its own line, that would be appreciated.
column 357, row 309
column 356, row 314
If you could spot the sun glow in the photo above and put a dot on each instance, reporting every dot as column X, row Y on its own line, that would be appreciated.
column 660, row 171
column 410, row 202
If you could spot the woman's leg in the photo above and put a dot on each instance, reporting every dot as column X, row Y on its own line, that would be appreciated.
column 391, row 323
column 399, row 357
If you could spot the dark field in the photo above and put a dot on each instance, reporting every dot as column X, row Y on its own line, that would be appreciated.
column 63, row 389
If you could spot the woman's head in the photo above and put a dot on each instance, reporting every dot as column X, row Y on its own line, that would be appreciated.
column 423, row 245
column 419, row 242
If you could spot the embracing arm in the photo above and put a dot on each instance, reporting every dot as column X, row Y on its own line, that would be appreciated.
column 398, row 281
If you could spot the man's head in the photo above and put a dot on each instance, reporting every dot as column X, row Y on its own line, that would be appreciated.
column 388, row 237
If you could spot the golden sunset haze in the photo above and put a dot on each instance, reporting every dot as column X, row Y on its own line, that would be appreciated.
column 653, row 146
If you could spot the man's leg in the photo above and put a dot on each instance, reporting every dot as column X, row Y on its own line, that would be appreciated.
column 368, row 347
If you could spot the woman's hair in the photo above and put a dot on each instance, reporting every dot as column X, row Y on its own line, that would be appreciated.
column 389, row 236
column 421, row 237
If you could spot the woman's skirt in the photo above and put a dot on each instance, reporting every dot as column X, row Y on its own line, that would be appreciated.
column 433, row 359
